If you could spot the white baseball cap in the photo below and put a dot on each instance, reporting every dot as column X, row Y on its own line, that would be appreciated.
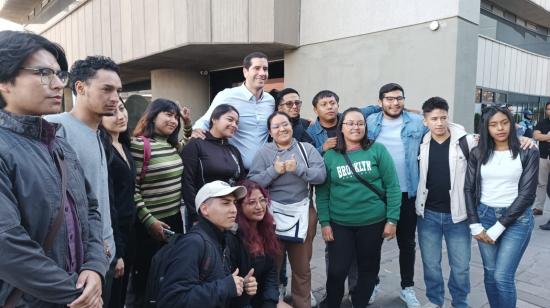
column 218, row 189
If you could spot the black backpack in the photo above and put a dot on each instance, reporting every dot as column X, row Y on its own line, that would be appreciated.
column 160, row 262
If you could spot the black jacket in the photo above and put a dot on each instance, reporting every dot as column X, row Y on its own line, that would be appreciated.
column 205, row 161
column 184, row 285
column 265, row 273
column 299, row 127
column 527, row 186
column 30, row 198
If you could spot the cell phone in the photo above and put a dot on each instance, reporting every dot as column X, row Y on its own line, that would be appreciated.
column 168, row 233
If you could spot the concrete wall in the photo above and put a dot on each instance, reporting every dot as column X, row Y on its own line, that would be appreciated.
column 505, row 67
column 324, row 20
column 543, row 3
column 426, row 63
column 126, row 30
column 189, row 88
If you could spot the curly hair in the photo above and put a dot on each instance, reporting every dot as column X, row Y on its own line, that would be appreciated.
column 259, row 240
column 84, row 70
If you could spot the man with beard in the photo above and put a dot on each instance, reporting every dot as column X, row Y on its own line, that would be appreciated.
column 401, row 132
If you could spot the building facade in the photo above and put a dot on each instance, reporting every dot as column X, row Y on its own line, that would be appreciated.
column 472, row 53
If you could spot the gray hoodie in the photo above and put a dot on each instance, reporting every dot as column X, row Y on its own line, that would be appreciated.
column 289, row 187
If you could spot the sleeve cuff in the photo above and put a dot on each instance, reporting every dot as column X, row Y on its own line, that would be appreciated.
column 476, row 229
column 495, row 231
column 324, row 223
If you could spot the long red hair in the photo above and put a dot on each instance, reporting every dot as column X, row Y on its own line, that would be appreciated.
column 259, row 240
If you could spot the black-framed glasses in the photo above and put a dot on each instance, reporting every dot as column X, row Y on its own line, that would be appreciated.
column 352, row 124
column 392, row 99
column 290, row 104
column 47, row 74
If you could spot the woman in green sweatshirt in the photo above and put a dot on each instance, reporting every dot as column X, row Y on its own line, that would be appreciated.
column 354, row 217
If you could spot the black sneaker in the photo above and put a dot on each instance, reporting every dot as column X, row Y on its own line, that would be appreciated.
column 546, row 226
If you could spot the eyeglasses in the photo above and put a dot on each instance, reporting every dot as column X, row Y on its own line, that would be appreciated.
column 46, row 75
column 282, row 125
column 261, row 201
column 352, row 124
column 392, row 99
column 290, row 104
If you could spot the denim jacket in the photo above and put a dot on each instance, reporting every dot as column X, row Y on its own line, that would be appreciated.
column 411, row 134
column 30, row 199
column 319, row 134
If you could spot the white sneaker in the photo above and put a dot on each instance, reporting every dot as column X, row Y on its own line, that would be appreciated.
column 374, row 293
column 313, row 300
column 409, row 297
column 431, row 305
column 282, row 291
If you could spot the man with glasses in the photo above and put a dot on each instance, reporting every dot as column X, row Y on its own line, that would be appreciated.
column 401, row 133
column 95, row 82
column 288, row 101
column 50, row 227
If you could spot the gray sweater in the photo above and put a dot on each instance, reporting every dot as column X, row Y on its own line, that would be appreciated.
column 91, row 155
column 289, row 187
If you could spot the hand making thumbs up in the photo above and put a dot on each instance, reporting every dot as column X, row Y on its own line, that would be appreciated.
column 279, row 165
column 250, row 283
column 290, row 165
column 239, row 282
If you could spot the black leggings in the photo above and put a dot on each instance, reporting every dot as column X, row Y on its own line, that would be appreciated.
column 366, row 242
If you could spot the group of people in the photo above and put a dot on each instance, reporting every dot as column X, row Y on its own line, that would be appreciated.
column 86, row 207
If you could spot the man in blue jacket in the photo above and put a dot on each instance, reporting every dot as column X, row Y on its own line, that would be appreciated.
column 401, row 133
column 51, row 248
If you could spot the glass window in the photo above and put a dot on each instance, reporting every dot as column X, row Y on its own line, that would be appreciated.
column 487, row 96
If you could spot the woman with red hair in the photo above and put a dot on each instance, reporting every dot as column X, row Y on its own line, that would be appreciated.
column 256, row 247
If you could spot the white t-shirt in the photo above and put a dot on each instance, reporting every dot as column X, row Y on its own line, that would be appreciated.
column 500, row 178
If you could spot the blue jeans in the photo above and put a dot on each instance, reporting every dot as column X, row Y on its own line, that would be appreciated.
column 431, row 230
column 501, row 260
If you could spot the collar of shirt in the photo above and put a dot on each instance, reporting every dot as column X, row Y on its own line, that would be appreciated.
column 247, row 95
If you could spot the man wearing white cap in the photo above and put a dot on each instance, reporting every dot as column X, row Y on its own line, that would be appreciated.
column 199, row 270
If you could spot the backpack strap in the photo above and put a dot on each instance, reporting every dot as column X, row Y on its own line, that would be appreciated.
column 146, row 157
column 463, row 143
column 15, row 295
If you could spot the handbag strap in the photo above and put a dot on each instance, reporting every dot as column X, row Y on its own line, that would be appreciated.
column 146, row 157
column 15, row 295
column 363, row 180
column 304, row 156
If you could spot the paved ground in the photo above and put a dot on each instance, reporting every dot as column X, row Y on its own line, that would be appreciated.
column 532, row 278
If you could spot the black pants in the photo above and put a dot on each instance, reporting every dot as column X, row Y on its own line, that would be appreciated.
column 406, row 230
column 120, row 285
column 146, row 247
column 366, row 243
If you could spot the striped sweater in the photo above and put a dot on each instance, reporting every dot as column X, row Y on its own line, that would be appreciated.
column 158, row 195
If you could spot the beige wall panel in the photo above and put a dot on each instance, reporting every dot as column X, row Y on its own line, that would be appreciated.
column 62, row 38
column 151, row 22
column 545, row 86
column 180, row 22
column 69, row 39
column 106, row 28
column 89, row 30
column 422, row 61
column 166, row 13
column 262, row 21
column 323, row 20
column 188, row 87
column 514, row 71
column 76, row 36
column 97, row 27
column 138, row 29
column 287, row 22
column 229, row 21
column 199, row 21
column 116, row 31
column 126, row 29
column 487, row 64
